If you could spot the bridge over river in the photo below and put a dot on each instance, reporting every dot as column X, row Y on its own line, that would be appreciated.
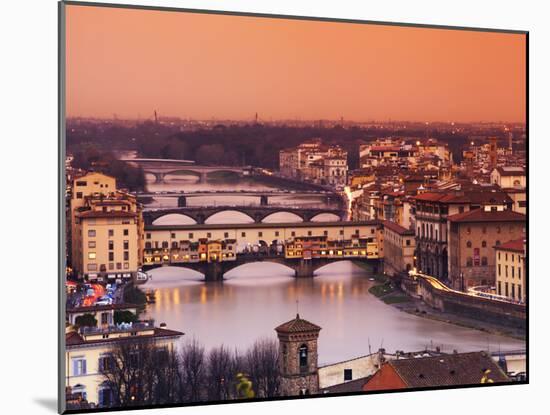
column 302, row 268
column 257, row 214
column 319, row 244
column 264, row 196
column 162, row 167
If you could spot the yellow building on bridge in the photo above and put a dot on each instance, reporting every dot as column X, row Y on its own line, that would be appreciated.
column 218, row 243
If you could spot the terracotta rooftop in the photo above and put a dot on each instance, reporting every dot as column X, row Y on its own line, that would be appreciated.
column 385, row 148
column 515, row 246
column 297, row 325
column 92, row 308
column 448, row 370
column 511, row 171
column 476, row 196
column 481, row 215
column 101, row 214
column 397, row 228
column 355, row 385
column 75, row 339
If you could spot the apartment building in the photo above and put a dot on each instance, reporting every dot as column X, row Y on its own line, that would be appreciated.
column 107, row 229
column 89, row 355
column 431, row 214
column 473, row 236
column 511, row 275
column 315, row 162
column 399, row 248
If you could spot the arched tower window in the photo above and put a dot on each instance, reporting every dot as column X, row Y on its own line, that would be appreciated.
column 302, row 355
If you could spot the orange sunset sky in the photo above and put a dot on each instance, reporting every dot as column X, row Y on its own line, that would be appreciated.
column 131, row 62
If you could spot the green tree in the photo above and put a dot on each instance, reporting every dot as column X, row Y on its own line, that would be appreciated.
column 485, row 378
column 125, row 316
column 244, row 387
column 134, row 295
column 86, row 320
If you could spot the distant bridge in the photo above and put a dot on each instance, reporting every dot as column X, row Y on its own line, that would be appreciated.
column 162, row 167
column 262, row 195
column 303, row 268
column 200, row 214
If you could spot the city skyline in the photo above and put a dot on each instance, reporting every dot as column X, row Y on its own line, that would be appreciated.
column 327, row 70
column 353, row 198
column 161, row 117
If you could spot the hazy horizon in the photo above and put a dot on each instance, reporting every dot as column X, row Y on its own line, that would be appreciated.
column 260, row 119
column 131, row 62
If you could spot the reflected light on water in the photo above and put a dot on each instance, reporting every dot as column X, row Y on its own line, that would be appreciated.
column 167, row 303
column 176, row 296
column 257, row 298
column 204, row 297
column 158, row 301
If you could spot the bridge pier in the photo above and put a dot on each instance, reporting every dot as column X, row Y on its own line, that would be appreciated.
column 159, row 177
column 182, row 201
column 214, row 271
column 304, row 269
column 264, row 200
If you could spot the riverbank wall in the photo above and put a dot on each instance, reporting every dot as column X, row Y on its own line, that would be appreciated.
column 479, row 308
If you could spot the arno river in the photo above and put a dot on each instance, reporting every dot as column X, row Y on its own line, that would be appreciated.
column 255, row 298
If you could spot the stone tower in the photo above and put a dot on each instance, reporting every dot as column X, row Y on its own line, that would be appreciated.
column 298, row 357
column 493, row 151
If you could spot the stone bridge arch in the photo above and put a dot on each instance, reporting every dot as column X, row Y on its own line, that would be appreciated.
column 174, row 215
column 203, row 217
column 180, row 266
column 312, row 266
column 312, row 216
column 263, row 217
column 230, row 266
column 199, row 273
column 184, row 171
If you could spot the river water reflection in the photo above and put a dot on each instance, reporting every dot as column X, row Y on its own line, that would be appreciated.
column 255, row 298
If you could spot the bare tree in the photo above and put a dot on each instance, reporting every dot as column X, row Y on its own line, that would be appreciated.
column 140, row 372
column 127, row 370
column 166, row 374
column 221, row 374
column 262, row 367
column 193, row 365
